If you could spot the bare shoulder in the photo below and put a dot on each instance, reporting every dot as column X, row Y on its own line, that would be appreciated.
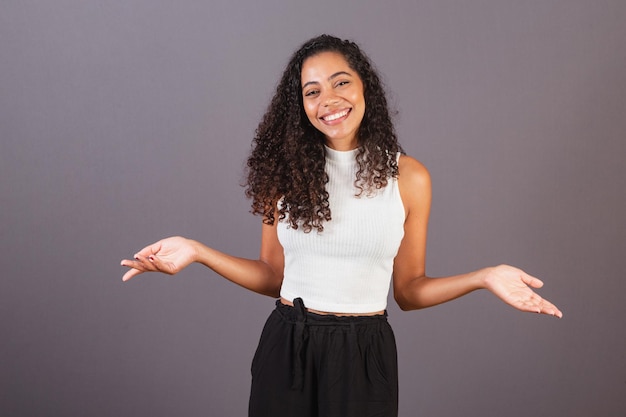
column 414, row 185
column 412, row 174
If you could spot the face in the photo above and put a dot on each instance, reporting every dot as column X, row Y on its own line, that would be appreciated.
column 332, row 94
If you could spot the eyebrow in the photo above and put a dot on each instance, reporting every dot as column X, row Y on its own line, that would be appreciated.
column 335, row 75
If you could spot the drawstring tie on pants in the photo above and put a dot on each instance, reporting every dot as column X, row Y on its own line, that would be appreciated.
column 298, row 342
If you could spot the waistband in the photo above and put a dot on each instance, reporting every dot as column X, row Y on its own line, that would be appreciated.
column 299, row 313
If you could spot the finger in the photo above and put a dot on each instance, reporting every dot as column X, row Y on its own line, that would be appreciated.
column 151, row 263
column 130, row 274
column 144, row 262
column 150, row 249
column 530, row 306
column 540, row 306
column 140, row 263
column 127, row 262
column 132, row 264
column 532, row 281
column 550, row 309
column 160, row 266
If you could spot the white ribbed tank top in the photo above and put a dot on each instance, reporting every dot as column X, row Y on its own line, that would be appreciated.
column 347, row 268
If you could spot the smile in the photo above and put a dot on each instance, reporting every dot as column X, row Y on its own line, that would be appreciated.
column 335, row 116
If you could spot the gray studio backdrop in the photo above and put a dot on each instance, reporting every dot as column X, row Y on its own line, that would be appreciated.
column 122, row 122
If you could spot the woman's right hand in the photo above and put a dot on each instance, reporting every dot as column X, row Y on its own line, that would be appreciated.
column 169, row 256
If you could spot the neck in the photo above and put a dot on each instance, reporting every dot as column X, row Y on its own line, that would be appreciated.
column 342, row 144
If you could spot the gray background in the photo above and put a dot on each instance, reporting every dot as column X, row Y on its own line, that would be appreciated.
column 122, row 122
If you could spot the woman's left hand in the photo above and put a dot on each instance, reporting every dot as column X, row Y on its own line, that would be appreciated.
column 513, row 286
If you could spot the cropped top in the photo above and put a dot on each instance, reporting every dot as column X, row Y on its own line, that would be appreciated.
column 347, row 267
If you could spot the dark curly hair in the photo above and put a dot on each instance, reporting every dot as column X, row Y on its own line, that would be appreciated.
column 288, row 158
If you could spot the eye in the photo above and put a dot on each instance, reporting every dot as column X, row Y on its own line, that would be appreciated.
column 342, row 83
column 311, row 93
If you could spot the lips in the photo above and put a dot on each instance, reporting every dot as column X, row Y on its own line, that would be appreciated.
column 332, row 117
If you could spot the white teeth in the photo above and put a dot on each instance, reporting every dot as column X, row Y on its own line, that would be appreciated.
column 335, row 116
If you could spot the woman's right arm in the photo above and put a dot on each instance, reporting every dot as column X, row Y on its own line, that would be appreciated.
column 173, row 254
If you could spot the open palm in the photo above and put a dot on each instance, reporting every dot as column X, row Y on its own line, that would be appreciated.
column 514, row 287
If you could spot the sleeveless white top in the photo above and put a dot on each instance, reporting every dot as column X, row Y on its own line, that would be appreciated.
column 347, row 268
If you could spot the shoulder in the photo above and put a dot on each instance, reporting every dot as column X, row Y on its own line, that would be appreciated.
column 412, row 173
column 414, row 183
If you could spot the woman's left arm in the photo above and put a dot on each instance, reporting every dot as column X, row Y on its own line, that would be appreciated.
column 414, row 290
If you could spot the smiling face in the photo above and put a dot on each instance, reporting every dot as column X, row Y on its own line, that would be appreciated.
column 332, row 94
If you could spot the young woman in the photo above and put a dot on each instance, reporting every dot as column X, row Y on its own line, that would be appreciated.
column 344, row 212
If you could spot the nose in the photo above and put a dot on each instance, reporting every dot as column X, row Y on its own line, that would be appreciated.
column 330, row 99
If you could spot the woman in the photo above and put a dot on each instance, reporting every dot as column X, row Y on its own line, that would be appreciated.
column 344, row 211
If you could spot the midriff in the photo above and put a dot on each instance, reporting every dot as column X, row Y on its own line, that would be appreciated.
column 329, row 313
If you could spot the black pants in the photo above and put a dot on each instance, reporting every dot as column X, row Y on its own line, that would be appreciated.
column 312, row 365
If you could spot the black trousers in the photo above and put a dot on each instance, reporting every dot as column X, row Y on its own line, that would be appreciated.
column 312, row 365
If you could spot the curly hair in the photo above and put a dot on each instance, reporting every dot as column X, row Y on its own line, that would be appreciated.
column 288, row 158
